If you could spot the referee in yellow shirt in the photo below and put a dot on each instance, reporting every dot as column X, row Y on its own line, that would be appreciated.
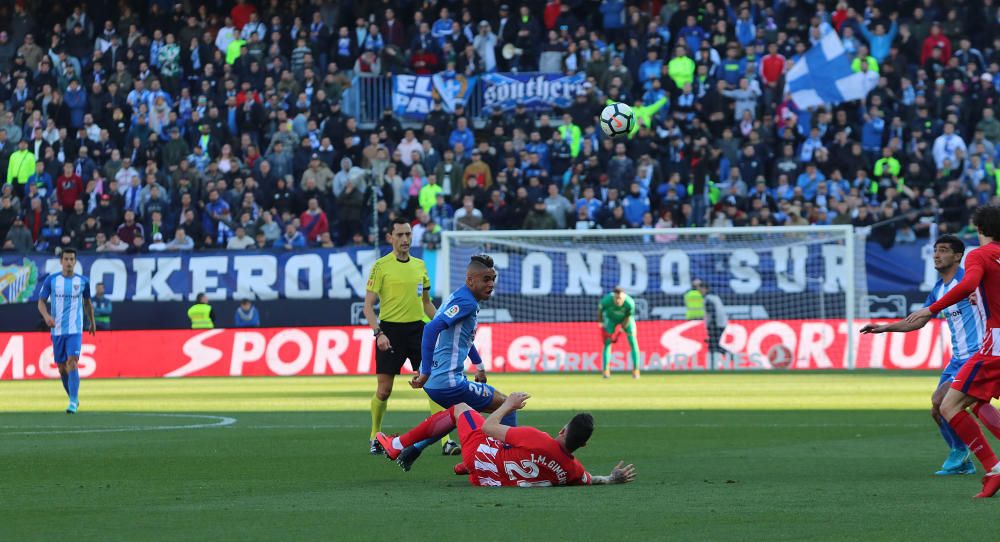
column 401, row 284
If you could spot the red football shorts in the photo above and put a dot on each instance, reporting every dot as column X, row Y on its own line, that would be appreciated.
column 979, row 377
column 478, row 453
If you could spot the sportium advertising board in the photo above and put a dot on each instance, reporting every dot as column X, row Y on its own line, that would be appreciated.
column 536, row 347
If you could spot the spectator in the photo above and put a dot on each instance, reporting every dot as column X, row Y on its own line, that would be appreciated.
column 180, row 241
column 157, row 245
column 351, row 205
column 18, row 238
column 539, row 218
column 468, row 217
column 114, row 245
column 478, row 170
column 291, row 239
column 319, row 173
column 69, row 187
column 462, row 134
column 246, row 315
column 314, row 222
column 240, row 241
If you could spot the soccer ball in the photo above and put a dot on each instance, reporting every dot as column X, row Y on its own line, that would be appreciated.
column 780, row 356
column 617, row 120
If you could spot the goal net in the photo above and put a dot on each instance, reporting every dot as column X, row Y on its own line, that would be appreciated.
column 789, row 295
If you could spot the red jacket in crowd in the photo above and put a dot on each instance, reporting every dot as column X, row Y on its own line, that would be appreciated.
column 935, row 40
column 68, row 190
column 771, row 68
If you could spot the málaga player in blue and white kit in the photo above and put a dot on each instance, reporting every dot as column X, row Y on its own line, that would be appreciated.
column 447, row 342
column 966, row 325
column 69, row 295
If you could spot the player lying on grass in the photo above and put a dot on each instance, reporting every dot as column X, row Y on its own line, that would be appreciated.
column 494, row 454
column 966, row 327
column 978, row 381
column 618, row 309
column 447, row 342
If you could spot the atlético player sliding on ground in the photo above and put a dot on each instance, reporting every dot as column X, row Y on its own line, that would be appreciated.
column 494, row 454
column 978, row 381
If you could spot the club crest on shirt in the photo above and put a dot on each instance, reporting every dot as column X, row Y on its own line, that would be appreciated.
column 452, row 311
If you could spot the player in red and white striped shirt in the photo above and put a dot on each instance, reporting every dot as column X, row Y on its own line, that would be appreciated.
column 978, row 381
column 494, row 454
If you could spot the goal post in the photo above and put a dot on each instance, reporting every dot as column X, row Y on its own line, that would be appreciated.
column 790, row 294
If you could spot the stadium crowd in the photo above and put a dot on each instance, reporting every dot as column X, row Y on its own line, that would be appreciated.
column 152, row 125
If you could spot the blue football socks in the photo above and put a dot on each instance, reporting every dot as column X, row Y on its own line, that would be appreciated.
column 73, row 385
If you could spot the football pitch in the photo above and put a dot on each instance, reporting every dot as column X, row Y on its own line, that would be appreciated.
column 777, row 456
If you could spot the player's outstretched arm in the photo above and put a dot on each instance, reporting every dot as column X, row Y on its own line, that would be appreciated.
column 621, row 474
column 973, row 276
column 901, row 326
column 492, row 426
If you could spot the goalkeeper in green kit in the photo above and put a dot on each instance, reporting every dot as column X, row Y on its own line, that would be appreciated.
column 618, row 309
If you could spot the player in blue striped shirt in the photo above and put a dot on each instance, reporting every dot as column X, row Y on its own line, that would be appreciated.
column 447, row 342
column 69, row 295
column 966, row 324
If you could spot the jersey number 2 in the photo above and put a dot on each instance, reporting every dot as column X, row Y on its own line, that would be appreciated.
column 526, row 470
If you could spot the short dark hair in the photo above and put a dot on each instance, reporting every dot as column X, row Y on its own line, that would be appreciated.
column 618, row 290
column 578, row 430
column 483, row 259
column 68, row 250
column 953, row 242
column 987, row 219
column 399, row 220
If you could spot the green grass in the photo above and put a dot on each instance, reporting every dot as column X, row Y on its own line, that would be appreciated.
column 720, row 457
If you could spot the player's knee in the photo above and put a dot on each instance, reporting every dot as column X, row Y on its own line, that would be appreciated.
column 71, row 364
column 460, row 408
column 950, row 406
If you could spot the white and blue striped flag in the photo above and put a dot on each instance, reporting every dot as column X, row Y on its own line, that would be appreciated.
column 823, row 76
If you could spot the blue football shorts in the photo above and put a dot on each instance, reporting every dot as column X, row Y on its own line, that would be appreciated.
column 475, row 394
column 951, row 370
column 66, row 346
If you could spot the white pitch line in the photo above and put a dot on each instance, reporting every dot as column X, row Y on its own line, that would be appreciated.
column 219, row 421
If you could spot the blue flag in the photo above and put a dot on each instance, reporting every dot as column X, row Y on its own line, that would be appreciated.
column 823, row 76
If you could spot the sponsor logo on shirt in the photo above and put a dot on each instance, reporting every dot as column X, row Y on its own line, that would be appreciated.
column 452, row 311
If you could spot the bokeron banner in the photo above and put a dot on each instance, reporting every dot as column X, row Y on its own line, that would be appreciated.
column 535, row 347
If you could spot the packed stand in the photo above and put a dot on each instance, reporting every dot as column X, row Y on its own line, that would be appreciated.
column 133, row 129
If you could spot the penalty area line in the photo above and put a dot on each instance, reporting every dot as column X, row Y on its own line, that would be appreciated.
column 215, row 421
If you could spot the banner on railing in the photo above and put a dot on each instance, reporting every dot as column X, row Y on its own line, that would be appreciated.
column 180, row 276
column 413, row 95
column 536, row 91
column 555, row 347
column 904, row 270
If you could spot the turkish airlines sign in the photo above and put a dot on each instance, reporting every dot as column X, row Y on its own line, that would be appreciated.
column 534, row 347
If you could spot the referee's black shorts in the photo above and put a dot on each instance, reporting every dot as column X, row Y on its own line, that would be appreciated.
column 405, row 340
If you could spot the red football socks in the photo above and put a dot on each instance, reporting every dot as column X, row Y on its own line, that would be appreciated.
column 968, row 430
column 989, row 415
column 435, row 426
